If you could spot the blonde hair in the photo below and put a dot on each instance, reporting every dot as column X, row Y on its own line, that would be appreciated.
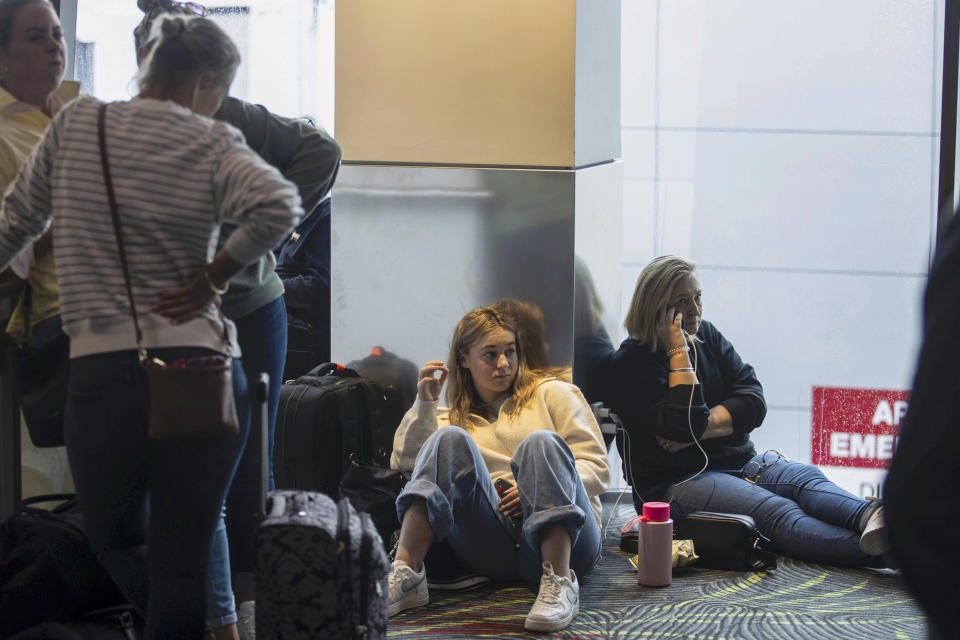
column 180, row 47
column 462, row 397
column 652, row 293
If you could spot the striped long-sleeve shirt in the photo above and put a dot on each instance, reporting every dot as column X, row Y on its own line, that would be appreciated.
column 177, row 177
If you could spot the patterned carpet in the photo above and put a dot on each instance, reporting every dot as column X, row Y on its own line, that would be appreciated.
column 794, row 601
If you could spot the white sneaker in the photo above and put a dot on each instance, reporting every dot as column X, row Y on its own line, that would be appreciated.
column 406, row 588
column 246, row 620
column 556, row 604
column 874, row 540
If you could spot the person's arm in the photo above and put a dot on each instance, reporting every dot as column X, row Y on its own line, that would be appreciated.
column 306, row 155
column 743, row 408
column 576, row 424
column 421, row 420
column 256, row 198
column 26, row 211
column 262, row 205
column 639, row 393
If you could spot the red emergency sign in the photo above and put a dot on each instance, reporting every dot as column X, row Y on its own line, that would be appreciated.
column 856, row 427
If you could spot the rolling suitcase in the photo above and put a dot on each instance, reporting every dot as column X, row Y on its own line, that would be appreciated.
column 321, row 567
column 327, row 418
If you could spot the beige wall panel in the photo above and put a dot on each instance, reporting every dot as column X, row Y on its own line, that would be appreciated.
column 478, row 82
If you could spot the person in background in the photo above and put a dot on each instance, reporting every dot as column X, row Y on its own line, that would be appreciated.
column 176, row 276
column 303, row 264
column 511, row 425
column 592, row 348
column 32, row 61
column 531, row 326
column 922, row 498
column 307, row 156
column 688, row 403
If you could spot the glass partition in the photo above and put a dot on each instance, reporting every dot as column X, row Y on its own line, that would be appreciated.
column 791, row 150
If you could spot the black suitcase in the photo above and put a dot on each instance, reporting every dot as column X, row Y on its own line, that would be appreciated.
column 327, row 418
column 321, row 566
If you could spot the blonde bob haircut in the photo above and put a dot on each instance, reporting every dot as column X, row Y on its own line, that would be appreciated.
column 652, row 294
column 462, row 397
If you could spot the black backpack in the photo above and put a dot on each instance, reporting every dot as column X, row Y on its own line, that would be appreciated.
column 48, row 572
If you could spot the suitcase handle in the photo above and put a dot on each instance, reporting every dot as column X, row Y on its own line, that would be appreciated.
column 260, row 391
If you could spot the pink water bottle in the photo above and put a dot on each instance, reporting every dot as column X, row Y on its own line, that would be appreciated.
column 655, row 546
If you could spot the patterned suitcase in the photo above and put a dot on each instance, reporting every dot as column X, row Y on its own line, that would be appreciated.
column 321, row 567
column 321, row 570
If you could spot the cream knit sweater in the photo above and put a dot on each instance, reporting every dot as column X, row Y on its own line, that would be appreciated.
column 556, row 406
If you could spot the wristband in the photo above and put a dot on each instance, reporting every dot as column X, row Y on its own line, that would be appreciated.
column 683, row 370
column 213, row 287
column 676, row 350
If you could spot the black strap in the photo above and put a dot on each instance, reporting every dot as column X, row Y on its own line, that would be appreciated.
column 764, row 559
column 360, row 422
column 111, row 197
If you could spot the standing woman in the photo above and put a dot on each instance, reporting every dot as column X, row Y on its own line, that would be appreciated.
column 32, row 59
column 308, row 157
column 162, row 137
column 688, row 403
column 505, row 422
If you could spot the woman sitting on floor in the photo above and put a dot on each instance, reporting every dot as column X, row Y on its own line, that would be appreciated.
column 522, row 426
column 688, row 404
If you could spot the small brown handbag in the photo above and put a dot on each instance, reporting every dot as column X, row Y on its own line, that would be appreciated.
column 192, row 398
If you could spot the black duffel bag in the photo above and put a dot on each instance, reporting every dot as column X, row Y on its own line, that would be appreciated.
column 48, row 572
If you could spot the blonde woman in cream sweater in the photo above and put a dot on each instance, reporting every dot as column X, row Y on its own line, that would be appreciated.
column 504, row 422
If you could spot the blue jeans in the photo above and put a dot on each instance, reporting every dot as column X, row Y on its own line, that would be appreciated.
column 804, row 515
column 263, row 340
column 159, row 561
column 463, row 506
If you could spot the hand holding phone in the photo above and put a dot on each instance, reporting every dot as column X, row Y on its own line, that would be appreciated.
column 509, row 499
column 670, row 328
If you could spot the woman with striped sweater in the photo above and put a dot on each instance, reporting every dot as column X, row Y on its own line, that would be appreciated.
column 178, row 176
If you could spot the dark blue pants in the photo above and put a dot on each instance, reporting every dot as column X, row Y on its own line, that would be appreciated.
column 160, row 561
column 806, row 516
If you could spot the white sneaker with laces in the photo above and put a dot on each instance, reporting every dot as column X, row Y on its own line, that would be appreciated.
column 557, row 603
column 406, row 588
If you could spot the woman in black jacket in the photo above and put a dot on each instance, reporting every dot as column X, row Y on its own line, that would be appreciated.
column 688, row 404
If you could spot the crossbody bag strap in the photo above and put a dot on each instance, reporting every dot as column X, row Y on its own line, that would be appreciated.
column 111, row 197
